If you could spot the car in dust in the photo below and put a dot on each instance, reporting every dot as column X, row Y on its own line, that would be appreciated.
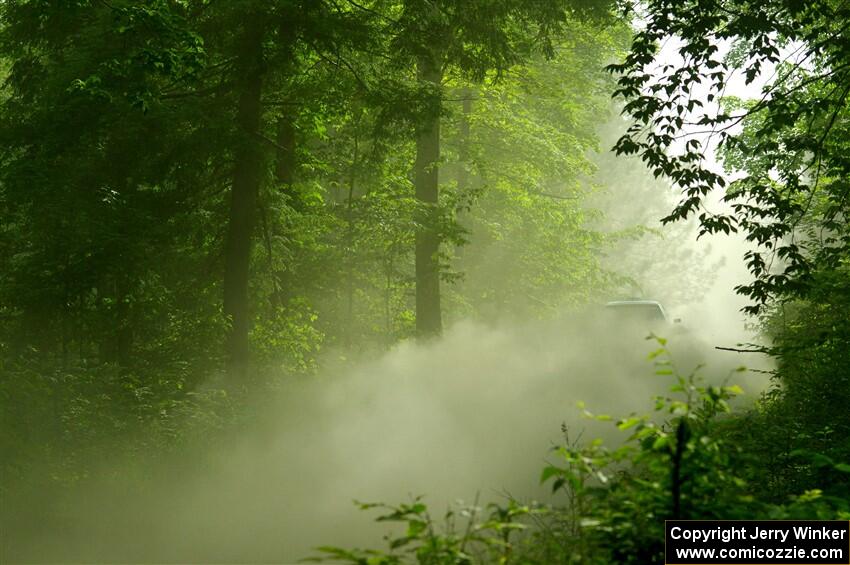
column 639, row 311
column 629, row 322
column 638, row 317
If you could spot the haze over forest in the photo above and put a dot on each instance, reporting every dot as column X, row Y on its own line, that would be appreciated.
column 522, row 278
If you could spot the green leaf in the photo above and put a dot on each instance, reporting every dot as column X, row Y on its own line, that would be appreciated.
column 415, row 527
column 629, row 422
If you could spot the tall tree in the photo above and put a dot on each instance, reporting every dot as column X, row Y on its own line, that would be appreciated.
column 426, row 180
column 475, row 40
column 273, row 50
column 247, row 176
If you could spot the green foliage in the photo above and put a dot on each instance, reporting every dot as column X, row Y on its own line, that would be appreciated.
column 806, row 411
column 288, row 340
column 59, row 423
column 465, row 536
column 687, row 462
column 673, row 465
column 791, row 152
column 787, row 150
column 518, row 169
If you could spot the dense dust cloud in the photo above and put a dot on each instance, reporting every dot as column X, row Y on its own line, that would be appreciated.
column 473, row 413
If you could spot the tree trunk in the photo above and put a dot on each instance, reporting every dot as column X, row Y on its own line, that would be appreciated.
column 428, row 315
column 349, row 247
column 247, row 176
column 463, row 153
column 124, row 324
column 463, row 185
column 285, row 159
column 284, row 172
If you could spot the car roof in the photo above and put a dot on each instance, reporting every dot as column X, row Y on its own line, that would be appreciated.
column 637, row 302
